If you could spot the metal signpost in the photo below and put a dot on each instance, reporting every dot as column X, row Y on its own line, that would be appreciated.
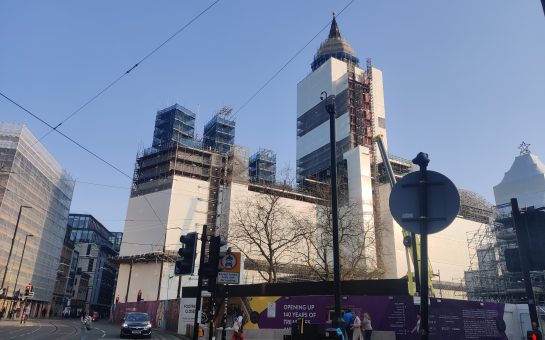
column 424, row 202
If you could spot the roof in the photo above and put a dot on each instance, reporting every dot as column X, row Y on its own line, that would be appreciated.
column 334, row 46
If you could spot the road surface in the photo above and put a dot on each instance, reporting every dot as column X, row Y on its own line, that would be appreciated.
column 65, row 329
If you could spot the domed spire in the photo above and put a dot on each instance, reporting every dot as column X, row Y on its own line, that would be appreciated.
column 334, row 46
column 334, row 30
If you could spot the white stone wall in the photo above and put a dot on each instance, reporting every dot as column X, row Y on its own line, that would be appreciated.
column 448, row 250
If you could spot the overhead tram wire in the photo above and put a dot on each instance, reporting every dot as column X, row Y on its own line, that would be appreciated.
column 138, row 63
column 80, row 146
column 256, row 93
column 55, row 128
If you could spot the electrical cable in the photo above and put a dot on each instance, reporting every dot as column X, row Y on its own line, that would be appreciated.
column 81, row 146
column 138, row 63
column 286, row 64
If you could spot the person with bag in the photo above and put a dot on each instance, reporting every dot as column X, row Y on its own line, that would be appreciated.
column 86, row 324
column 238, row 329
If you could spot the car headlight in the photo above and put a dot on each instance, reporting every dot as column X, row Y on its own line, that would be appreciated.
column 148, row 326
column 124, row 325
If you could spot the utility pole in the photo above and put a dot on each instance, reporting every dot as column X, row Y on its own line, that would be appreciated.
column 12, row 242
column 422, row 161
column 330, row 108
column 204, row 240
column 21, row 262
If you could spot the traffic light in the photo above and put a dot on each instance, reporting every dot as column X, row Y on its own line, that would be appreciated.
column 28, row 289
column 186, row 263
column 534, row 335
column 214, row 255
column 212, row 266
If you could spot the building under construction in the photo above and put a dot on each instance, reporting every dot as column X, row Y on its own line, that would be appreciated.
column 262, row 166
column 182, row 183
column 490, row 277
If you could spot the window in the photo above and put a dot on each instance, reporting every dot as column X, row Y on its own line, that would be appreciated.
column 90, row 265
column 88, row 249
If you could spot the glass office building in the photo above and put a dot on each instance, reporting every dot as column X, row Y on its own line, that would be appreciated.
column 35, row 185
column 96, row 258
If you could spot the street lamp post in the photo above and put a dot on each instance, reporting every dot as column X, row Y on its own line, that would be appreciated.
column 438, row 275
column 20, row 263
column 168, row 284
column 12, row 242
column 330, row 108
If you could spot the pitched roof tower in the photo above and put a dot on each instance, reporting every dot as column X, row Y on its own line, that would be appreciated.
column 334, row 46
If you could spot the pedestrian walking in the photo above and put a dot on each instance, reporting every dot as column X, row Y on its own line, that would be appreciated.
column 2, row 312
column 86, row 324
column 357, row 328
column 366, row 326
column 416, row 328
column 26, row 313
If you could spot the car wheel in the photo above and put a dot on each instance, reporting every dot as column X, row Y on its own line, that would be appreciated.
column 121, row 335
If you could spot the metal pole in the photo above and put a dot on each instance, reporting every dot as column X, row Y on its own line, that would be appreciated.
column 225, row 304
column 330, row 108
column 416, row 263
column 204, row 239
column 179, row 287
column 440, row 284
column 21, row 262
column 128, row 283
column 521, row 230
column 12, row 242
column 422, row 160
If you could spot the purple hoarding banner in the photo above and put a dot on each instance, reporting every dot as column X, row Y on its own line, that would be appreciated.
column 449, row 319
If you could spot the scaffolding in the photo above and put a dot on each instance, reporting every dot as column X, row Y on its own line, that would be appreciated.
column 174, row 124
column 488, row 279
column 219, row 132
column 262, row 166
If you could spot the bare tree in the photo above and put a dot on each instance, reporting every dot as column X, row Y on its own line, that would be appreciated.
column 357, row 249
column 264, row 229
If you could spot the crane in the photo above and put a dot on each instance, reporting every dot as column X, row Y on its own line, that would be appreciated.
column 410, row 240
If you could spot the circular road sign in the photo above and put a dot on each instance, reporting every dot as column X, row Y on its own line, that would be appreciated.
column 443, row 202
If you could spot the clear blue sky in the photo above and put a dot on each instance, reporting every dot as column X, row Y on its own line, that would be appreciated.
column 463, row 79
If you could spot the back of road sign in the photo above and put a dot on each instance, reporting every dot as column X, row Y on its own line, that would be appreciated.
column 443, row 202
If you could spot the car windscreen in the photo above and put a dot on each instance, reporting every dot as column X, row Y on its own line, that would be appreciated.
column 137, row 317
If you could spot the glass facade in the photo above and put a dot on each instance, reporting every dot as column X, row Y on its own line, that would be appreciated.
column 30, row 176
column 115, row 238
column 96, row 259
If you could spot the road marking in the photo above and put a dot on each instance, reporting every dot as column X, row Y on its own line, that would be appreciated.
column 103, row 332
column 34, row 331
